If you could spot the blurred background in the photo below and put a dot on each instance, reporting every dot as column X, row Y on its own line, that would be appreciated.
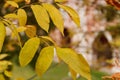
column 97, row 39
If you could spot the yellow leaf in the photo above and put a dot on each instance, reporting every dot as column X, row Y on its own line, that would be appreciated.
column 48, row 38
column 75, row 61
column 12, row 3
column 41, row 16
column 2, row 77
column 28, row 51
column 73, row 74
column 21, row 29
column 8, row 73
column 61, row 1
column 55, row 16
column 14, row 29
column 3, row 65
column 2, row 35
column 44, row 60
column 30, row 31
column 22, row 16
column 2, row 56
column 11, row 15
column 72, row 13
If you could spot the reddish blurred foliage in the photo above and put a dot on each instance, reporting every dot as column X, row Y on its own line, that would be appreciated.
column 114, row 3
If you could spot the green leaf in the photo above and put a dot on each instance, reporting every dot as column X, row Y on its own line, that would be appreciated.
column 28, row 51
column 44, row 60
column 61, row 1
column 41, row 16
column 75, row 61
column 22, row 17
column 74, row 15
column 12, row 3
column 11, row 15
column 55, row 16
column 2, row 35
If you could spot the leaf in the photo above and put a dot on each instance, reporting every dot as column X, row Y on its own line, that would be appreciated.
column 2, row 56
column 2, row 77
column 3, row 65
column 28, row 51
column 22, row 17
column 30, row 31
column 2, row 35
column 21, row 29
column 44, row 60
column 41, row 16
column 48, row 38
column 114, row 3
column 73, row 74
column 12, row 3
column 55, row 16
column 13, row 28
column 61, row 1
column 8, row 73
column 11, row 15
column 72, row 13
column 75, row 61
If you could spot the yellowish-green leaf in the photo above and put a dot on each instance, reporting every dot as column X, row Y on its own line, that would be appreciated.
column 28, row 51
column 2, row 77
column 61, row 1
column 75, row 61
column 2, row 35
column 74, row 15
column 41, row 16
column 44, row 60
column 8, row 73
column 12, row 3
column 21, row 29
column 48, row 38
column 55, row 16
column 11, row 15
column 30, row 31
column 73, row 74
column 22, row 16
